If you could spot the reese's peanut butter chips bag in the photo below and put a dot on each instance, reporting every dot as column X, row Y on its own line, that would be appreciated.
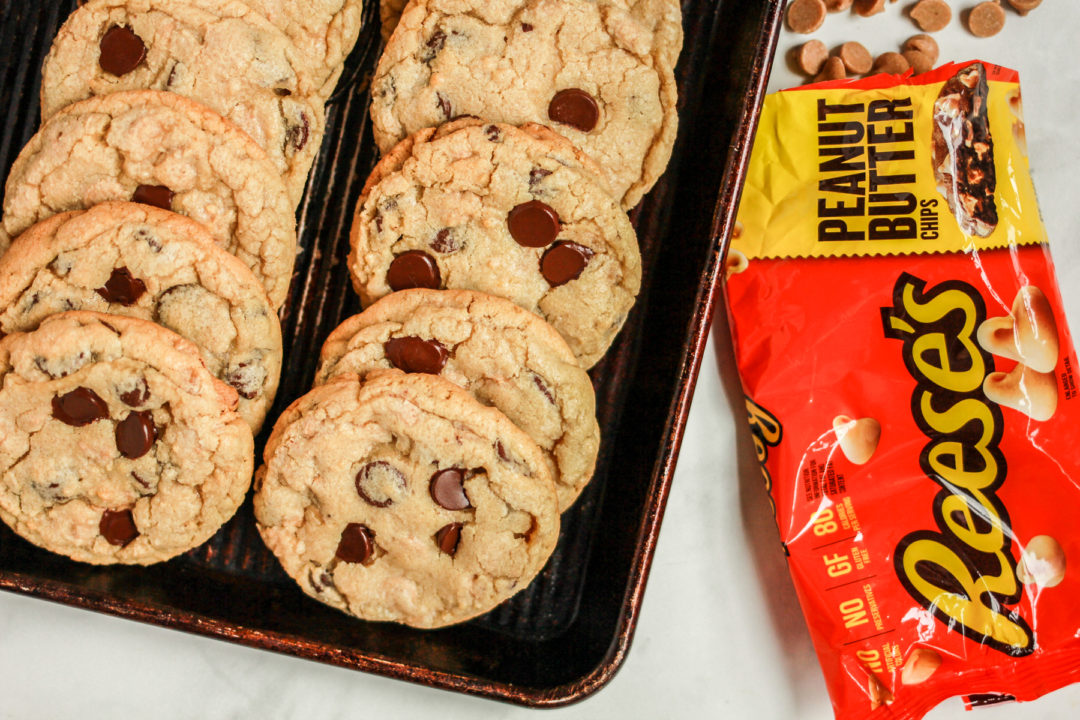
column 910, row 383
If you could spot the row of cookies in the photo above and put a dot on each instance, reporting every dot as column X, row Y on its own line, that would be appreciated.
column 131, row 426
column 493, row 255
column 421, row 481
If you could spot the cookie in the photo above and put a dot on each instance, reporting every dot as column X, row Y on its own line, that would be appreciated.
column 324, row 30
column 403, row 499
column 219, row 53
column 139, row 261
column 159, row 149
column 514, row 212
column 506, row 357
column 599, row 72
column 116, row 444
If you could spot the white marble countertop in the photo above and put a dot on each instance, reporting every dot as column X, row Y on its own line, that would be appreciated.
column 720, row 633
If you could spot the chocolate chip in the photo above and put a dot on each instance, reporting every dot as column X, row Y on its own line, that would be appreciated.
column 247, row 379
column 444, row 105
column 535, row 176
column 147, row 237
column 378, row 482
column 534, row 224
column 118, row 527
column 448, row 538
column 122, row 287
column 121, row 50
column 296, row 137
column 136, row 434
column 445, row 242
column 493, row 133
column 434, row 44
column 170, row 82
column 157, row 195
column 575, row 108
column 526, row 27
column 563, row 262
column 282, row 92
column 416, row 355
column 357, row 544
column 322, row 581
column 136, row 396
column 501, row 450
column 448, row 489
column 542, row 386
column 414, row 269
column 79, row 407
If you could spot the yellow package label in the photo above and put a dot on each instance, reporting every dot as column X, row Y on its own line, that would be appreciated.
column 930, row 165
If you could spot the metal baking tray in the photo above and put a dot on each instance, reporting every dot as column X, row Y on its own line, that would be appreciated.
column 565, row 635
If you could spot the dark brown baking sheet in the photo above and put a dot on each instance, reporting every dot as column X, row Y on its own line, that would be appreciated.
column 567, row 634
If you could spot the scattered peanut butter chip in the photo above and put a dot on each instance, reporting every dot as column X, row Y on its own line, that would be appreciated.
column 856, row 58
column 920, row 62
column 811, row 57
column 931, row 15
column 840, row 5
column 834, row 70
column 806, row 16
column 892, row 63
column 925, row 44
column 986, row 19
column 1024, row 6
column 735, row 263
column 866, row 8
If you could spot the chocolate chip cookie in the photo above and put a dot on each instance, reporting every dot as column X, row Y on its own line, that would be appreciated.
column 599, row 72
column 116, row 443
column 324, row 30
column 161, row 149
column 506, row 357
column 403, row 499
column 222, row 54
column 139, row 261
column 514, row 212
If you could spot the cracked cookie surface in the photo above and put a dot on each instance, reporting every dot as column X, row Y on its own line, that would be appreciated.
column 139, row 261
column 403, row 499
column 324, row 30
column 116, row 444
column 504, row 356
column 221, row 54
column 513, row 212
column 599, row 72
column 167, row 151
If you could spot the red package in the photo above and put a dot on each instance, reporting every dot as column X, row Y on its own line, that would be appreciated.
column 910, row 385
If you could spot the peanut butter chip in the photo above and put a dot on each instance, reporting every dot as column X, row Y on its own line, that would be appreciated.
column 866, row 8
column 920, row 62
column 892, row 63
column 834, row 70
column 811, row 57
column 931, row 15
column 856, row 58
column 986, row 19
column 925, row 44
column 1024, row 6
column 806, row 16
